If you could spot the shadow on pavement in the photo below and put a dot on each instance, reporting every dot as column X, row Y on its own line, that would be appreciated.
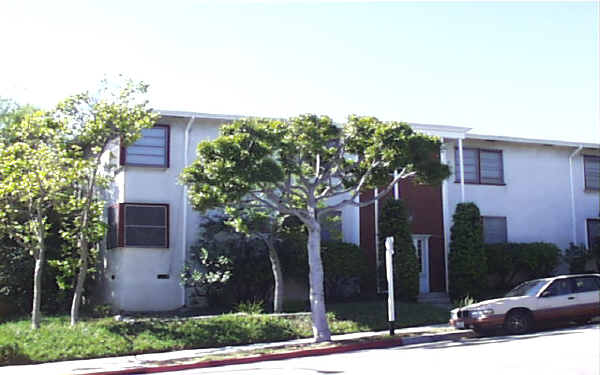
column 562, row 330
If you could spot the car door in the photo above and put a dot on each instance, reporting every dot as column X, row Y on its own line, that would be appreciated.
column 557, row 301
column 587, row 295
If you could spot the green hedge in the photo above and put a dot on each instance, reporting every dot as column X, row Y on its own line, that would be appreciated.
column 345, row 269
column 467, row 267
column 511, row 263
column 228, row 265
column 581, row 259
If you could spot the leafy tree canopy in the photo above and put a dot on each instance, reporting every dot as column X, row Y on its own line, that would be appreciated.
column 308, row 166
column 307, row 158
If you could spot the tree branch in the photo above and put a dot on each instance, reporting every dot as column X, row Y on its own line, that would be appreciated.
column 352, row 200
column 328, row 167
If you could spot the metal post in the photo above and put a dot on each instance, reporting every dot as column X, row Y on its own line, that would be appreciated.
column 396, row 188
column 389, row 251
column 462, row 171
column 445, row 215
column 573, row 217
column 378, row 260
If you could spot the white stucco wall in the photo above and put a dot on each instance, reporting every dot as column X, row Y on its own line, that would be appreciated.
column 131, row 274
column 351, row 225
column 587, row 202
column 536, row 198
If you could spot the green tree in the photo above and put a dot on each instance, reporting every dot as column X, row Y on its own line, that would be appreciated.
column 394, row 222
column 234, row 266
column 34, row 175
column 16, row 266
column 467, row 264
column 307, row 167
column 267, row 226
column 345, row 268
column 11, row 113
column 115, row 113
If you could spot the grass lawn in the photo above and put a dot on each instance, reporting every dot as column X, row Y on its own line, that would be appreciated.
column 55, row 340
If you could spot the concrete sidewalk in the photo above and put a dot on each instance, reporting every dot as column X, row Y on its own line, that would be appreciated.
column 185, row 359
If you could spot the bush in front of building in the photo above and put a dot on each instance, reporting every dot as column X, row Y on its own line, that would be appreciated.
column 512, row 263
column 230, row 267
column 467, row 266
column 345, row 270
column 394, row 222
column 576, row 257
column 16, row 279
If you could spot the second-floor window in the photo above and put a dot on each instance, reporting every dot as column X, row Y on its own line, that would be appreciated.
column 151, row 150
column 481, row 166
column 591, row 167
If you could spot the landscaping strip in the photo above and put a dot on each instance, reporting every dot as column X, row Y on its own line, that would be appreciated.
column 288, row 352
column 98, row 338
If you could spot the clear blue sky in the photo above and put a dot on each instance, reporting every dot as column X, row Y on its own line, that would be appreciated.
column 518, row 69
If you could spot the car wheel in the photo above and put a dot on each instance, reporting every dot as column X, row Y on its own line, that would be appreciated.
column 518, row 322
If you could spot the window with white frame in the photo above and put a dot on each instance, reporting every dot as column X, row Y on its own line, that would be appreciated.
column 494, row 229
column 150, row 150
column 482, row 166
column 419, row 244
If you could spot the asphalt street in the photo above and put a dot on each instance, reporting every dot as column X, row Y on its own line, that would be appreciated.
column 573, row 350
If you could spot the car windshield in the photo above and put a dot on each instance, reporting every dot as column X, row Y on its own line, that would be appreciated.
column 528, row 288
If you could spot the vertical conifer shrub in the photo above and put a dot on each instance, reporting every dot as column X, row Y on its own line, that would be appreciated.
column 394, row 222
column 467, row 265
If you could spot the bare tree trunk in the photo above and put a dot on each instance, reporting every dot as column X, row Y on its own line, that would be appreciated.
column 83, row 266
column 277, row 275
column 37, row 290
column 37, row 273
column 321, row 330
column 84, row 250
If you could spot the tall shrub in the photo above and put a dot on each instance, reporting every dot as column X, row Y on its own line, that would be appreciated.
column 511, row 263
column 394, row 222
column 231, row 267
column 345, row 269
column 467, row 267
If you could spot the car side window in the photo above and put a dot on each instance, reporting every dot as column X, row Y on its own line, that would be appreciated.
column 558, row 288
column 586, row 284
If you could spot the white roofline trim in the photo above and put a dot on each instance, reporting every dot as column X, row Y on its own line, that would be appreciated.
column 532, row 141
column 199, row 115
column 444, row 131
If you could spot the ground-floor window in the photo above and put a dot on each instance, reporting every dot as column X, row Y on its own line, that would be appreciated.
column 331, row 226
column 593, row 231
column 494, row 229
column 138, row 225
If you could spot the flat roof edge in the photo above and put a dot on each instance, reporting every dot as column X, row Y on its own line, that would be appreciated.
column 445, row 131
column 548, row 142
column 186, row 114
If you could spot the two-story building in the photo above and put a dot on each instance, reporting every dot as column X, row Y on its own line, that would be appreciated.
column 527, row 190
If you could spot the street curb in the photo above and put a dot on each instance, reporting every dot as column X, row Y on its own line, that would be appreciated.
column 387, row 343
column 441, row 337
